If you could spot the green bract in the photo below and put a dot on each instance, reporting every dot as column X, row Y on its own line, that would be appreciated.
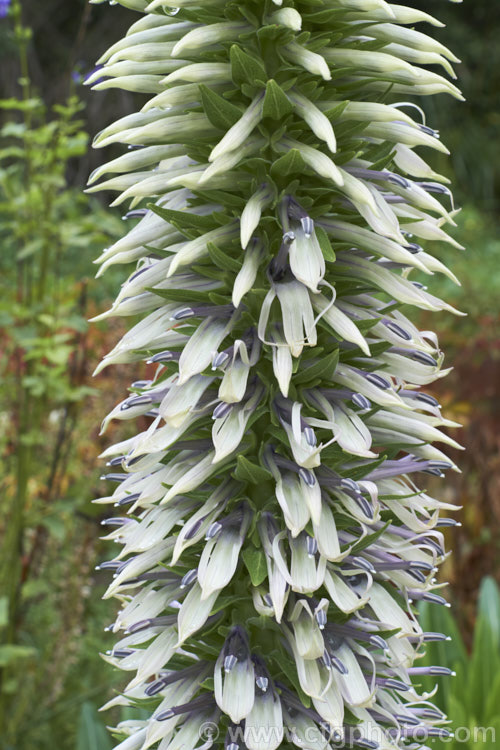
column 275, row 540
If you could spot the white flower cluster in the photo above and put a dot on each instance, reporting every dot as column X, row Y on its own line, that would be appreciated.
column 274, row 541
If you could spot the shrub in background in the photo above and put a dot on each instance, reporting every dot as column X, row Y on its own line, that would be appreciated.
column 275, row 541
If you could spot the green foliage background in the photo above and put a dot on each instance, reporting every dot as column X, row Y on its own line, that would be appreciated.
column 53, row 678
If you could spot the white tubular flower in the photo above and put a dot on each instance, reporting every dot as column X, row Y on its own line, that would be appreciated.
column 307, row 669
column 135, row 160
column 240, row 131
column 162, row 33
column 222, row 164
column 264, row 723
column 205, row 36
column 136, row 84
column 173, row 97
column 401, row 132
column 400, row 288
column 181, row 399
column 273, row 537
column 165, row 130
column 421, row 57
column 199, row 523
column 282, row 361
column 305, row 454
column 194, row 612
column 298, row 318
column 200, row 73
column 234, row 382
column 414, row 429
column 339, row 322
column 372, row 242
column 199, row 351
column 193, row 251
column 404, row 15
column 248, row 272
column 426, row 84
column 384, row 8
column 308, row 638
column 411, row 163
column 306, row 574
column 341, row 594
column 304, row 732
column 317, row 160
column 317, row 121
column 287, row 17
column 311, row 61
column 290, row 496
column 347, row 427
column 306, row 259
column 251, row 214
column 229, row 428
column 325, row 533
column 220, row 556
column 331, row 708
column 278, row 584
column 411, row 38
column 378, row 62
column 192, row 478
column 352, row 683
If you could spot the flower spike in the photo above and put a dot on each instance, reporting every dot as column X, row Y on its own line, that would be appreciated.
column 273, row 538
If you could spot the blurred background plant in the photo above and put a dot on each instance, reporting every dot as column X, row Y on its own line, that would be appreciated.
column 52, row 678
column 49, row 232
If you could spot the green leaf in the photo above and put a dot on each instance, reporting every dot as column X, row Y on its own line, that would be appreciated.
column 483, row 665
column 324, row 16
column 228, row 602
column 183, row 218
column 223, row 197
column 255, row 562
column 4, row 611
column 491, row 708
column 92, row 734
column 246, row 69
column 246, row 471
column 221, row 259
column 275, row 36
column 290, row 163
column 366, row 325
column 358, row 472
column 59, row 355
column 10, row 653
column 180, row 295
column 439, row 619
column 388, row 633
column 29, row 249
column 368, row 539
column 289, row 670
column 335, row 112
column 489, row 605
column 322, row 369
column 219, row 111
column 325, row 244
column 276, row 103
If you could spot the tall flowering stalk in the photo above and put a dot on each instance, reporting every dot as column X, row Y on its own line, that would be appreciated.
column 274, row 539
